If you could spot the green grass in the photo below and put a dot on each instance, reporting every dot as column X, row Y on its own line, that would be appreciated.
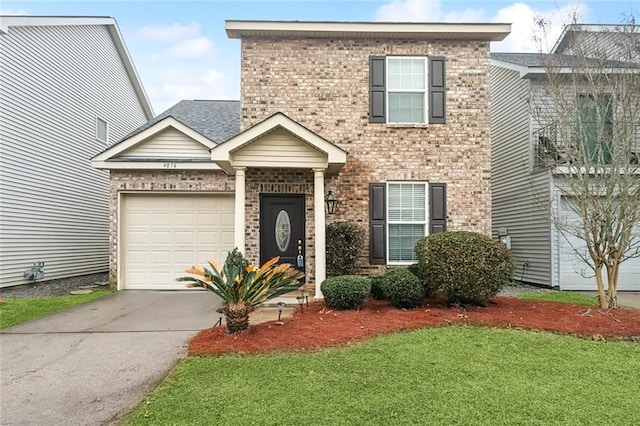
column 562, row 296
column 450, row 375
column 16, row 311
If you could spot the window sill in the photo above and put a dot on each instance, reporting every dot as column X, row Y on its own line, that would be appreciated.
column 408, row 125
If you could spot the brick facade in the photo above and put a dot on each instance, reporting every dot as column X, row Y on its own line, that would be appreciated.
column 324, row 85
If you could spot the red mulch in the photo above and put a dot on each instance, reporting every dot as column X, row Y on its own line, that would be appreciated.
column 318, row 326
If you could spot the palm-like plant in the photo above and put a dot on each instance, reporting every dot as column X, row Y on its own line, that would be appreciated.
column 242, row 290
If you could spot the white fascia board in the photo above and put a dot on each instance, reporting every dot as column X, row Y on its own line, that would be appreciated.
column 170, row 164
column 7, row 21
column 475, row 31
column 142, row 136
column 121, row 47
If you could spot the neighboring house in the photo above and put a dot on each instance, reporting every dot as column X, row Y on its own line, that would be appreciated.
column 68, row 89
column 392, row 118
column 526, row 161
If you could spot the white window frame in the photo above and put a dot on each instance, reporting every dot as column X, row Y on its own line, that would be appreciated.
column 396, row 222
column 106, row 133
column 425, row 92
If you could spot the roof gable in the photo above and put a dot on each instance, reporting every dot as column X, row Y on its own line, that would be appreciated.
column 112, row 27
column 167, row 140
column 278, row 141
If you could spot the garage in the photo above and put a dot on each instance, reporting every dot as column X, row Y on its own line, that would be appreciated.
column 575, row 274
column 163, row 234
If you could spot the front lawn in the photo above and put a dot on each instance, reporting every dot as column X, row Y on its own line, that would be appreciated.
column 16, row 311
column 447, row 375
column 562, row 296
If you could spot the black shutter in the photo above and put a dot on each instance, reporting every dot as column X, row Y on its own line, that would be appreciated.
column 377, row 101
column 437, row 207
column 437, row 86
column 377, row 224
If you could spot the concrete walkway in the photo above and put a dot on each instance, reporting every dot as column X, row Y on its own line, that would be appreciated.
column 626, row 299
column 88, row 365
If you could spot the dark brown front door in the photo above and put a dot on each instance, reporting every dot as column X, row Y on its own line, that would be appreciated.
column 282, row 228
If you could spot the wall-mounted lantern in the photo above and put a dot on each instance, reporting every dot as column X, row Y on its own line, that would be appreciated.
column 331, row 201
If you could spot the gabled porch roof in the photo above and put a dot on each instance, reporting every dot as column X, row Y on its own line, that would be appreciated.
column 278, row 142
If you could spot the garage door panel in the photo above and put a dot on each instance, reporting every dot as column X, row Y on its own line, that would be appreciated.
column 575, row 274
column 163, row 234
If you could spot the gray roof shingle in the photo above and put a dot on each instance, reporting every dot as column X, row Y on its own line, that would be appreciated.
column 216, row 120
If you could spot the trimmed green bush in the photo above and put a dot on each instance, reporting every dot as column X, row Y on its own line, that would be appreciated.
column 377, row 287
column 345, row 244
column 345, row 291
column 416, row 270
column 466, row 267
column 403, row 289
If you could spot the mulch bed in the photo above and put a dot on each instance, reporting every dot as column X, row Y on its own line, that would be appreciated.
column 319, row 326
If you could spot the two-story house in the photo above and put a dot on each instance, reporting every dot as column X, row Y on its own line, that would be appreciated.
column 390, row 119
column 531, row 155
column 68, row 90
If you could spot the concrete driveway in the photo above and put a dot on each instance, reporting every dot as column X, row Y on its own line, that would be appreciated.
column 90, row 364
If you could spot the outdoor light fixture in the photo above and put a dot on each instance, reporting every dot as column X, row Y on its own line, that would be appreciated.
column 220, row 311
column 332, row 202
column 301, row 303
column 281, row 306
column 306, row 298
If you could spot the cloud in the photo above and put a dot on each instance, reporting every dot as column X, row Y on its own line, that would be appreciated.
column 521, row 16
column 12, row 12
column 169, row 33
column 425, row 11
column 171, row 85
column 190, row 49
column 525, row 35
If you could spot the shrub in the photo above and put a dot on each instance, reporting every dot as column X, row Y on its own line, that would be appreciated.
column 416, row 270
column 345, row 291
column 345, row 243
column 403, row 289
column 467, row 267
column 377, row 287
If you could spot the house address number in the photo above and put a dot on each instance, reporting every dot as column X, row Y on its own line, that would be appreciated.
column 170, row 165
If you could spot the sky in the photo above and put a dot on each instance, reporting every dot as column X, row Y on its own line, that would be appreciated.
column 181, row 51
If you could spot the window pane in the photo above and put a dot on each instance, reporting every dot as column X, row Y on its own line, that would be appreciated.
column 101, row 130
column 405, row 74
column 402, row 240
column 407, row 202
column 406, row 107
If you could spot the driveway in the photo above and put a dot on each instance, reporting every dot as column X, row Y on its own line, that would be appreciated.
column 90, row 364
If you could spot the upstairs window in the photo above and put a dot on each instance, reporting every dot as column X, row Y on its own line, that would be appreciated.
column 102, row 129
column 408, row 90
column 596, row 127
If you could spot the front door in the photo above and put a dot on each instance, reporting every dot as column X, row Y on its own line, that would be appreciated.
column 282, row 228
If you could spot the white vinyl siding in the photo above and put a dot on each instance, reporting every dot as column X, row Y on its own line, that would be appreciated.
column 407, row 220
column 574, row 272
column 406, row 90
column 54, row 207
column 164, row 234
column 170, row 143
column 519, row 193
column 282, row 148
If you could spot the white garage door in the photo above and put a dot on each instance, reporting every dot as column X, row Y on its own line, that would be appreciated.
column 165, row 234
column 576, row 275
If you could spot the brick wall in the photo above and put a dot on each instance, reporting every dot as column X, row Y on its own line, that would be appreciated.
column 323, row 84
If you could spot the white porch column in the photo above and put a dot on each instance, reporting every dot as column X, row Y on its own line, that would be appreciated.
column 318, row 209
column 240, row 209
